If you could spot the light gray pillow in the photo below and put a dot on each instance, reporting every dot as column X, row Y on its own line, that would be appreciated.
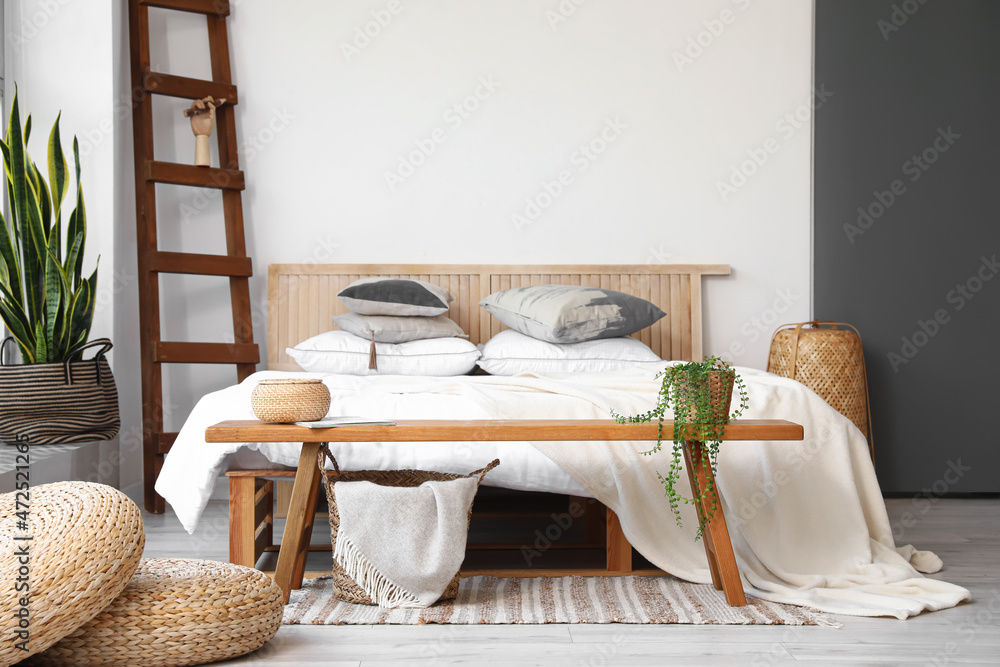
column 398, row 329
column 395, row 296
column 570, row 313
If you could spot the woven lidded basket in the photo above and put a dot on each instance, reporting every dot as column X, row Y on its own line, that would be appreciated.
column 344, row 588
column 828, row 360
column 285, row 401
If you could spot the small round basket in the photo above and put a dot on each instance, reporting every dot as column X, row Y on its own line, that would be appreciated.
column 177, row 612
column 285, row 401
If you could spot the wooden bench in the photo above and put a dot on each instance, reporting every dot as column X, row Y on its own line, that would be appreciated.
column 253, row 516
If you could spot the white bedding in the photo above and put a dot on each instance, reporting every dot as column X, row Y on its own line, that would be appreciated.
column 817, row 535
column 193, row 466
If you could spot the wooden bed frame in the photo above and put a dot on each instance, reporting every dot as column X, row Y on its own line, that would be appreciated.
column 302, row 299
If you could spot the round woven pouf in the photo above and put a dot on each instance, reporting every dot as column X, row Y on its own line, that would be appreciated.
column 177, row 612
column 71, row 546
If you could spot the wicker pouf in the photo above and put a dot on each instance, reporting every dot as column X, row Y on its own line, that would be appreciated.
column 86, row 542
column 177, row 612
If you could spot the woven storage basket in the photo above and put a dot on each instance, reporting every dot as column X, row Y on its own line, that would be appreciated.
column 87, row 541
column 828, row 360
column 720, row 393
column 286, row 401
column 177, row 612
column 344, row 587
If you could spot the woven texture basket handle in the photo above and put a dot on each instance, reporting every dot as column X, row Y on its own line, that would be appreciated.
column 3, row 346
column 105, row 346
column 325, row 453
column 482, row 471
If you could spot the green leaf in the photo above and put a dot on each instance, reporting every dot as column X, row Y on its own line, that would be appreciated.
column 58, row 170
column 53, row 298
column 41, row 351
column 17, row 324
column 10, row 275
column 73, row 258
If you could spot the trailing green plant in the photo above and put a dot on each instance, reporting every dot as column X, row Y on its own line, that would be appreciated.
column 686, row 391
column 46, row 304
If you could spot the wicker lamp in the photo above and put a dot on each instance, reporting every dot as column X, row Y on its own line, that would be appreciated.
column 830, row 361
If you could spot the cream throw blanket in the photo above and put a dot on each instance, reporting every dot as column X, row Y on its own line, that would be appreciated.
column 807, row 519
column 403, row 546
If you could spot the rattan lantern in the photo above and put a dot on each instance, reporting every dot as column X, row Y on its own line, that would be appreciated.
column 830, row 361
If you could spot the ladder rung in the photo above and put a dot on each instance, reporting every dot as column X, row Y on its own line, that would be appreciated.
column 163, row 441
column 188, row 174
column 192, row 89
column 216, row 7
column 200, row 265
column 206, row 353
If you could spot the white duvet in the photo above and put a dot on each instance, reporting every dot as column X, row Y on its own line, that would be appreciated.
column 807, row 518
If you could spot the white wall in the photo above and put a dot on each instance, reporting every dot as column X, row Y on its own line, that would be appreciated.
column 60, row 55
column 321, row 129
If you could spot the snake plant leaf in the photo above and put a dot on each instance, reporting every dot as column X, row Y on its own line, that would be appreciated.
column 82, row 312
column 44, row 301
column 78, row 228
column 76, row 159
column 73, row 258
column 10, row 270
column 41, row 190
column 58, row 170
column 17, row 324
column 53, row 297
column 41, row 350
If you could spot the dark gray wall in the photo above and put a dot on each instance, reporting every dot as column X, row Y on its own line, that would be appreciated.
column 911, row 77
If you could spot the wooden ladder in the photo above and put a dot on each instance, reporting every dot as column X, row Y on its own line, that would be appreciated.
column 148, row 172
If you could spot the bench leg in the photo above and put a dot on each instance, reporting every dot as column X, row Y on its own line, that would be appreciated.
column 251, row 524
column 619, row 551
column 715, row 536
column 298, row 527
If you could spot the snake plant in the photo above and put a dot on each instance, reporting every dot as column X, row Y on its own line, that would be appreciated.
column 44, row 302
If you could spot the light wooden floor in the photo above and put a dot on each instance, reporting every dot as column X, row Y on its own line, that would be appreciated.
column 965, row 533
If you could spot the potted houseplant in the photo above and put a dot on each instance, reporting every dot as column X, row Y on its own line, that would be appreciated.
column 699, row 394
column 47, row 304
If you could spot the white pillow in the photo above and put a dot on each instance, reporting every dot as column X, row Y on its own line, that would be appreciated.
column 511, row 352
column 346, row 354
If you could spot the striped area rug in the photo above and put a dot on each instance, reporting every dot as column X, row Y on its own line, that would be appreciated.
column 492, row 600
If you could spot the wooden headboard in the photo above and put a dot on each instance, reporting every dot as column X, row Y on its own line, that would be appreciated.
column 303, row 297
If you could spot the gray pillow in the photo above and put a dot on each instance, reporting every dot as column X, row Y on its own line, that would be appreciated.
column 398, row 329
column 395, row 296
column 570, row 313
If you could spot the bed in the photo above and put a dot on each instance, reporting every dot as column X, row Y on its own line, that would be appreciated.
column 819, row 529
